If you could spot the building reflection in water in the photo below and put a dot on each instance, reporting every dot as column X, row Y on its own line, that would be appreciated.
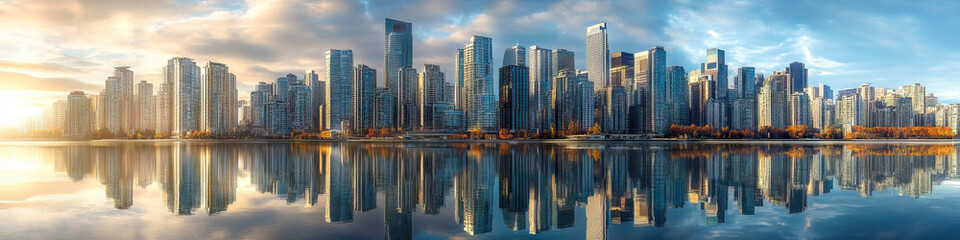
column 535, row 187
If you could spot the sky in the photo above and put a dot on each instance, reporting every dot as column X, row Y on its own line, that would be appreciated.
column 53, row 47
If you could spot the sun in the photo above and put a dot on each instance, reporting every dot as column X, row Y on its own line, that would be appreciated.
column 14, row 109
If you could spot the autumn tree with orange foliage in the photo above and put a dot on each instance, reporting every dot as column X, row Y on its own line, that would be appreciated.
column 799, row 131
column 505, row 134
column 830, row 133
column 595, row 130
column 925, row 132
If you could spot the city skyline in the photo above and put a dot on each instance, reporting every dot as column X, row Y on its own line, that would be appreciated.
column 43, row 66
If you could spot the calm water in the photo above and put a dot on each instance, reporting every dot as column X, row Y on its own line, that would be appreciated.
column 169, row 190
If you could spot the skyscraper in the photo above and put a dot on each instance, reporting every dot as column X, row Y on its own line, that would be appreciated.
column 146, row 109
column 408, row 110
column 798, row 77
column 515, row 104
column 110, row 104
column 77, row 121
column 430, row 94
column 259, row 97
column 339, row 106
column 312, row 80
column 561, row 59
column 772, row 102
column 678, row 96
column 398, row 51
column 825, row 91
column 515, row 55
column 364, row 87
column 300, row 101
column 217, row 104
column 460, row 100
column 182, row 75
column 383, row 105
column 650, row 80
column 616, row 109
column 477, row 74
column 716, row 68
column 598, row 55
column 799, row 109
column 541, row 61
column 744, row 111
column 127, row 112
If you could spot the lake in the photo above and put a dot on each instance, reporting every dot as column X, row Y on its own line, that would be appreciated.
column 422, row 190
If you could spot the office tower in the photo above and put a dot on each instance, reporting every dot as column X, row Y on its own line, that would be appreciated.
column 384, row 100
column 772, row 102
column 94, row 115
column 745, row 108
column 515, row 114
column 678, row 96
column 245, row 116
column 110, row 103
column 541, row 61
column 339, row 106
column 217, row 103
column 621, row 59
column 799, row 109
column 931, row 101
column 277, row 120
column 825, row 91
column 60, row 114
column 312, row 80
column 623, row 76
column 398, row 52
column 598, row 55
column 146, row 109
column 364, row 87
column 616, row 110
column 408, row 110
column 128, row 123
column 430, row 94
column 481, row 103
column 282, row 86
column 515, row 55
column 460, row 100
column 77, row 120
column 650, row 81
column 845, row 92
column 182, row 76
column 716, row 68
column 583, row 104
column 565, row 104
column 798, row 77
column 259, row 97
column 300, row 101
column 561, row 59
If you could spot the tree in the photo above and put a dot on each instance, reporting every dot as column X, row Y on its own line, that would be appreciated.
column 595, row 130
column 505, row 134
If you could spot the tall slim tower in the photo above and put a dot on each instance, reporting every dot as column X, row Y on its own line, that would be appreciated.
column 598, row 55
column 146, row 108
column 216, row 100
column 398, row 51
column 408, row 114
column 429, row 95
column 339, row 105
column 127, row 112
column 364, row 86
column 541, row 80
column 182, row 74
column 562, row 59
column 798, row 77
column 312, row 80
column 460, row 101
column 650, row 80
column 77, row 120
column 478, row 77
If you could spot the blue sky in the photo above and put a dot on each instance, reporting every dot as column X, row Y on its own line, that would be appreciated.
column 52, row 47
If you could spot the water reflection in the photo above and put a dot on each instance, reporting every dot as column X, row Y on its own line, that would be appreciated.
column 534, row 187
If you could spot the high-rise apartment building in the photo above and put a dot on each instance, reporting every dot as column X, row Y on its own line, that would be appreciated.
column 678, row 96
column 182, row 76
column 408, row 108
column 77, row 121
column 364, row 88
column 561, row 59
column 217, row 102
column 146, row 108
column 339, row 105
column 429, row 95
column 128, row 122
column 650, row 81
column 481, row 106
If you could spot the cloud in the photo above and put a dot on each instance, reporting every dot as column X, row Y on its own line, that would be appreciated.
column 14, row 80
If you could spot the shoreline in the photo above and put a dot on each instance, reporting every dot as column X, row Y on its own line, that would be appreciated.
column 512, row 141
